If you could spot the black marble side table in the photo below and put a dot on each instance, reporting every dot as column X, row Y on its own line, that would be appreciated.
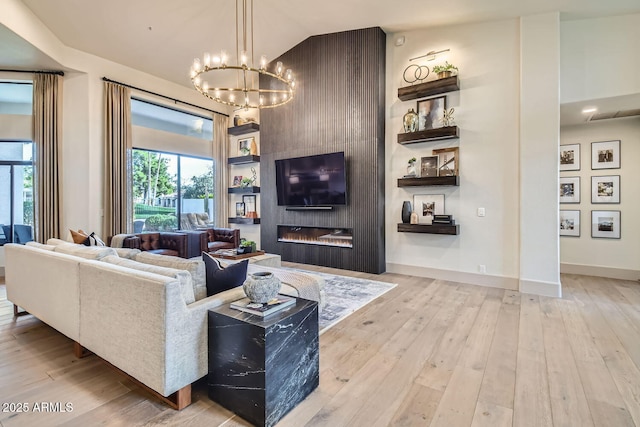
column 261, row 368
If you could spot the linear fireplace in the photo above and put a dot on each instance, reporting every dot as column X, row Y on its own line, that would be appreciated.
column 323, row 236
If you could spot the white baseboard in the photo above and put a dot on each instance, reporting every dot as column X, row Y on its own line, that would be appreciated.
column 546, row 289
column 455, row 276
column 599, row 271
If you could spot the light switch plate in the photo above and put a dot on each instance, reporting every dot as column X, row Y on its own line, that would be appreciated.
column 481, row 212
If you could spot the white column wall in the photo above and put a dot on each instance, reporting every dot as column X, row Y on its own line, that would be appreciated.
column 539, row 140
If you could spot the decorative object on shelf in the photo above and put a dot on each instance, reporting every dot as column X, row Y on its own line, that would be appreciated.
column 447, row 118
column 249, row 201
column 570, row 223
column 443, row 220
column 261, row 287
column 569, row 189
column 445, row 70
column 410, row 121
column 246, row 181
column 570, row 157
column 428, row 205
column 278, row 90
column 411, row 168
column 429, row 166
column 414, row 218
column 605, row 155
column 605, row 189
column 406, row 211
column 605, row 224
column 246, row 246
column 247, row 145
column 237, row 181
column 239, row 209
column 448, row 161
column 418, row 73
column 238, row 121
column 430, row 111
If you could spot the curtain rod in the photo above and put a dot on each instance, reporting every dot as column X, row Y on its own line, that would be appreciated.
column 59, row 73
column 162, row 96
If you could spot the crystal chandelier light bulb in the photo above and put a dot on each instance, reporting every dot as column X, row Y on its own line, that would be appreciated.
column 207, row 59
column 279, row 68
column 217, row 93
column 223, row 58
column 205, row 86
column 263, row 62
column 288, row 74
column 261, row 100
column 232, row 97
column 197, row 66
column 243, row 58
column 197, row 80
column 216, row 60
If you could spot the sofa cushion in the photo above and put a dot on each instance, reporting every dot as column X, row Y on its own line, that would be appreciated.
column 88, row 252
column 40, row 246
column 55, row 242
column 214, row 246
column 183, row 276
column 127, row 253
column 78, row 237
column 195, row 266
column 220, row 279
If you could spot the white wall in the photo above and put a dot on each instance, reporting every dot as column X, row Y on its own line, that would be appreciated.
column 600, row 58
column 486, row 111
column 605, row 257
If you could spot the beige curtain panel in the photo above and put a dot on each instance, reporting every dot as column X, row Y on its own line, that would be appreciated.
column 220, row 157
column 118, row 199
column 47, row 138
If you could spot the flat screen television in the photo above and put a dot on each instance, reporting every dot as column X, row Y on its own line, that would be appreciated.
column 312, row 180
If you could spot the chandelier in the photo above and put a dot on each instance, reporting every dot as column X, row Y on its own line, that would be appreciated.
column 280, row 84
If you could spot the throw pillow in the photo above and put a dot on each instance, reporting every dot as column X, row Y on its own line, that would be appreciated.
column 220, row 279
column 94, row 240
column 79, row 236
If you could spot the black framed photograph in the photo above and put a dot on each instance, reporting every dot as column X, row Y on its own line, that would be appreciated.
column 570, row 223
column 448, row 161
column 570, row 157
column 249, row 201
column 239, row 209
column 605, row 224
column 431, row 113
column 429, row 166
column 605, row 155
column 605, row 189
column 428, row 205
column 569, row 189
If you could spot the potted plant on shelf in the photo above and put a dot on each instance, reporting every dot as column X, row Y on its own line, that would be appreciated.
column 246, row 182
column 246, row 246
column 445, row 70
column 411, row 168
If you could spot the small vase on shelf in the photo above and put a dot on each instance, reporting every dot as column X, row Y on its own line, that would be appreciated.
column 414, row 218
column 410, row 121
column 406, row 212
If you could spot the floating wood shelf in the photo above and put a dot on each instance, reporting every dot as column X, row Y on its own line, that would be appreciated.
column 430, row 88
column 428, row 180
column 429, row 229
column 243, row 159
column 244, row 220
column 438, row 134
column 243, row 129
column 245, row 190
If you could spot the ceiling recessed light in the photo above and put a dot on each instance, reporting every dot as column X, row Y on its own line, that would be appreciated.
column 589, row 110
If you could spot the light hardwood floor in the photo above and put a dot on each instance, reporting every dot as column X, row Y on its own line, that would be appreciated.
column 427, row 353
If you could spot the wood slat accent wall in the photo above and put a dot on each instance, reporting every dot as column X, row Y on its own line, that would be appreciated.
column 339, row 106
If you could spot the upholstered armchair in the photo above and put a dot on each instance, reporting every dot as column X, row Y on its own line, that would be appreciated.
column 163, row 243
column 223, row 238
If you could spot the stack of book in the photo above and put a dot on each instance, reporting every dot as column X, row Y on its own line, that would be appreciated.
column 275, row 305
column 443, row 220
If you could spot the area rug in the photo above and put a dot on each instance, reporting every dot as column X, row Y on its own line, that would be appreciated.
column 345, row 295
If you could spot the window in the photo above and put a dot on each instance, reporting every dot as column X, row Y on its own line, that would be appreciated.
column 170, row 186
column 16, row 162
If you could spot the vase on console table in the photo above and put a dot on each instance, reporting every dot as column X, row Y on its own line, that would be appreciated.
column 261, row 287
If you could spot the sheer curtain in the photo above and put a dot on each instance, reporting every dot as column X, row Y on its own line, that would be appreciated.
column 47, row 137
column 220, row 157
column 118, row 199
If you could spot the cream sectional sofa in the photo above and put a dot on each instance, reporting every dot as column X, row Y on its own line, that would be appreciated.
column 139, row 321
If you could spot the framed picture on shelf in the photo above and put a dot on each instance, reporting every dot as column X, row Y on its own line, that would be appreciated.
column 448, row 161
column 570, row 223
column 570, row 157
column 247, row 146
column 249, row 201
column 569, row 189
column 605, row 224
column 428, row 205
column 431, row 112
column 605, row 155
column 239, row 209
column 605, row 189
column 429, row 166
column 237, row 180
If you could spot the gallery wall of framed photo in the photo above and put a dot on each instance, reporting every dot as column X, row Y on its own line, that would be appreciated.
column 599, row 184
